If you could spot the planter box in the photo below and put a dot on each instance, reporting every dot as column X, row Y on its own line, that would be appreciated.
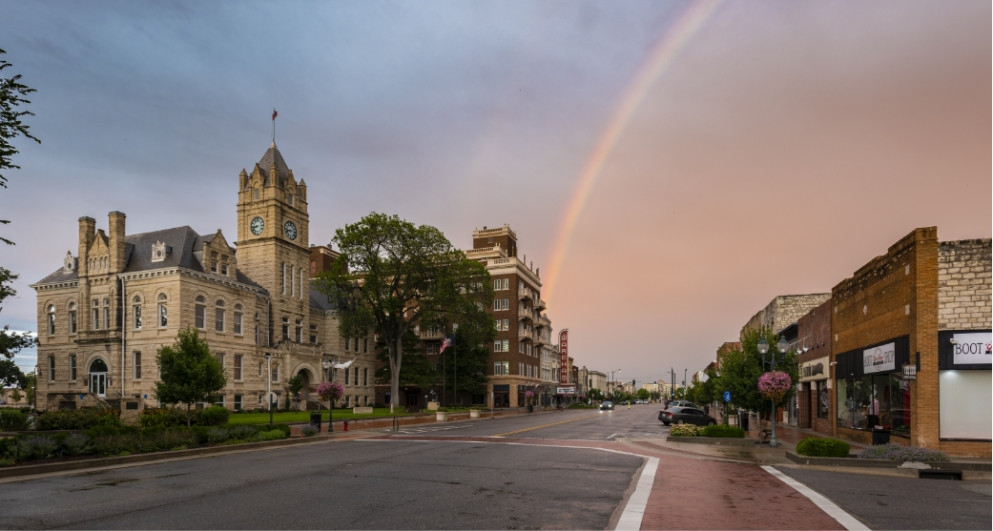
column 441, row 415
column 474, row 413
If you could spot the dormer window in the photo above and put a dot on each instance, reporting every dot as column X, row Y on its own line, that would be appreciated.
column 68, row 264
column 159, row 251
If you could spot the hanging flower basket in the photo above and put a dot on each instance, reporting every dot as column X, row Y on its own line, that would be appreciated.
column 774, row 385
column 330, row 391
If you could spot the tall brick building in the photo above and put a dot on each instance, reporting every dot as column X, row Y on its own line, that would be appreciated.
column 103, row 315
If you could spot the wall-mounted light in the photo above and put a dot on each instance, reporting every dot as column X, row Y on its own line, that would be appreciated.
column 953, row 341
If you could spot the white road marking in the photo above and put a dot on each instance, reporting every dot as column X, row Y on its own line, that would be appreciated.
column 634, row 509
column 840, row 515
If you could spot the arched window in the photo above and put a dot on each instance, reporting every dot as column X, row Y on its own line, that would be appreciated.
column 200, row 313
column 237, row 319
column 51, row 319
column 219, row 315
column 136, row 312
column 72, row 317
column 163, row 310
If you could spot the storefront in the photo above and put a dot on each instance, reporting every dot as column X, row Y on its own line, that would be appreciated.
column 814, row 401
column 872, row 393
column 964, row 386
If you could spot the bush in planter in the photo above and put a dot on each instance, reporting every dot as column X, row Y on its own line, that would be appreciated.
column 720, row 430
column 211, row 416
column 36, row 446
column 822, row 447
column 895, row 452
column 685, row 430
column 309, row 431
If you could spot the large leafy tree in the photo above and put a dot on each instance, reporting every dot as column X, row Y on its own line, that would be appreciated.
column 189, row 373
column 465, row 362
column 393, row 276
column 740, row 370
column 12, row 95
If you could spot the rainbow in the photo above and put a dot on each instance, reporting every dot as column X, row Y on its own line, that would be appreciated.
column 666, row 49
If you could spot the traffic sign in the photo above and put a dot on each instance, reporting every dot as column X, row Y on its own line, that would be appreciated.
column 727, row 396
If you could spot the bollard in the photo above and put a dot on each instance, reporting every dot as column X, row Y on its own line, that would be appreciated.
column 346, row 424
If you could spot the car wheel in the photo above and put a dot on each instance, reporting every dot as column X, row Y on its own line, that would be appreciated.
column 711, row 423
column 680, row 421
column 664, row 422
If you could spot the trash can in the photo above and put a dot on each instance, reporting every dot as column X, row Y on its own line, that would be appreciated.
column 743, row 420
column 880, row 437
column 315, row 421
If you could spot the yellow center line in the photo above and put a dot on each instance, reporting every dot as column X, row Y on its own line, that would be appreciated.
column 542, row 426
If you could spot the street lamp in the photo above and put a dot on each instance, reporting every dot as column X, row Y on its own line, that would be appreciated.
column 268, row 377
column 609, row 388
column 328, row 364
column 782, row 346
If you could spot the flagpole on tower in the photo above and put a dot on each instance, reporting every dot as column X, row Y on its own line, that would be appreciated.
column 274, row 126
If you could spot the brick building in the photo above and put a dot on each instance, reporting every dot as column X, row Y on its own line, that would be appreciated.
column 922, row 307
column 813, row 346
column 522, row 358
column 106, row 311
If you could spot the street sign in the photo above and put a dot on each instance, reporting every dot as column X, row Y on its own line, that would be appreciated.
column 727, row 396
column 566, row 390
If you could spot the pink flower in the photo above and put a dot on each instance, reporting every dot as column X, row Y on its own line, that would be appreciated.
column 330, row 390
column 774, row 385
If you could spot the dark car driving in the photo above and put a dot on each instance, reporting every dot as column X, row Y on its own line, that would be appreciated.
column 685, row 415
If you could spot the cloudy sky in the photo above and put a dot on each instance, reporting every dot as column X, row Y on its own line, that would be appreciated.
column 669, row 166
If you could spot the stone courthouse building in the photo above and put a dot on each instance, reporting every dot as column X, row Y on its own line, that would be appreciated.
column 103, row 315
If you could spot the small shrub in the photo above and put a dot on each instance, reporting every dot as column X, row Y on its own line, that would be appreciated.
column 823, row 447
column 36, row 447
column 165, row 417
column 212, row 416
column 685, row 430
column 309, row 431
column 272, row 435
column 243, row 431
column 720, row 430
column 285, row 428
column 13, row 420
column 77, row 419
column 77, row 444
column 895, row 452
column 217, row 434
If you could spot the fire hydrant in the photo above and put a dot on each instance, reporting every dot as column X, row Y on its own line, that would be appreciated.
column 346, row 424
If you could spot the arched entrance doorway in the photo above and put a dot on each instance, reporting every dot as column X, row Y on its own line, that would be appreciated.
column 98, row 377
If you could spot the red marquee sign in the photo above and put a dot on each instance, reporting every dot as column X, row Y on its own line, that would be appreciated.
column 564, row 356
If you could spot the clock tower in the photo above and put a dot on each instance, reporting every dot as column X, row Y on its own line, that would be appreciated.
column 273, row 245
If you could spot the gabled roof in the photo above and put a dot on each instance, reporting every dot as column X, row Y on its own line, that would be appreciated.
column 182, row 243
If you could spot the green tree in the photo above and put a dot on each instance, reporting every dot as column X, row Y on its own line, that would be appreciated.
column 392, row 276
column 189, row 373
column 12, row 95
column 11, row 342
column 642, row 394
column 465, row 362
column 740, row 370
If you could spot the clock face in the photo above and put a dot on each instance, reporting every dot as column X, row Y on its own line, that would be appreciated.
column 258, row 225
column 291, row 230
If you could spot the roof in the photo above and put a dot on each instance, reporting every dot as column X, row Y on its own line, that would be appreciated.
column 273, row 157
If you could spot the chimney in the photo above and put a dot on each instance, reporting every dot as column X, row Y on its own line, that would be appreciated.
column 116, row 230
column 87, row 228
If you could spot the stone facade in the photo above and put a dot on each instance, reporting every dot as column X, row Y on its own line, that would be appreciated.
column 783, row 311
column 964, row 285
column 105, row 313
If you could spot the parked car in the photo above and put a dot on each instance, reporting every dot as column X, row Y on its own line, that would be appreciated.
column 682, row 403
column 685, row 415
column 606, row 405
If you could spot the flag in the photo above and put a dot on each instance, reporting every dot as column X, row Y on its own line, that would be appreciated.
column 446, row 343
column 274, row 114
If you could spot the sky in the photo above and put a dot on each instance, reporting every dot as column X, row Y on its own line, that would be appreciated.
column 669, row 167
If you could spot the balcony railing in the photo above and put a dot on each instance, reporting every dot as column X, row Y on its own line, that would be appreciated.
column 525, row 314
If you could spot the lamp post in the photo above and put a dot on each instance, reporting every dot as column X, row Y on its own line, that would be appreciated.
column 782, row 346
column 328, row 365
column 609, row 388
column 268, row 377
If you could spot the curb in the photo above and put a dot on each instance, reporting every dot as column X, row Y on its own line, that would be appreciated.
column 853, row 462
